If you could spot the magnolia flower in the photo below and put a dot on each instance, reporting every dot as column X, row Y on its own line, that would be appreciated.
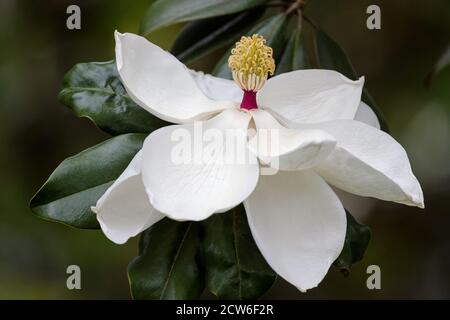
column 326, row 136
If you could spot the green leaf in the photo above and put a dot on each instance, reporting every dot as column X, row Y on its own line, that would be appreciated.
column 79, row 181
column 442, row 63
column 273, row 29
column 235, row 269
column 93, row 90
column 166, row 12
column 331, row 56
column 356, row 241
column 168, row 265
column 295, row 56
column 202, row 37
column 221, row 69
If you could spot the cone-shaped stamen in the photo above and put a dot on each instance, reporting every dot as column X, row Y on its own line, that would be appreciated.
column 251, row 61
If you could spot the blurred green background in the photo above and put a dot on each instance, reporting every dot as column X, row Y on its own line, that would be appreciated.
column 411, row 246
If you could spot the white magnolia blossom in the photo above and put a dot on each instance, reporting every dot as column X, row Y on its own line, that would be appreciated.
column 327, row 137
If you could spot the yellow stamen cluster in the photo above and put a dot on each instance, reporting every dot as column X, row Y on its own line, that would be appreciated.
column 251, row 61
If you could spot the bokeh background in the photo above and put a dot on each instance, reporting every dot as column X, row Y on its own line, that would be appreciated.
column 411, row 246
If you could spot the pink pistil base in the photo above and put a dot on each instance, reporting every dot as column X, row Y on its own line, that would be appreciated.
column 249, row 100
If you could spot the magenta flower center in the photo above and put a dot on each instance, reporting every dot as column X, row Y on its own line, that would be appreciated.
column 249, row 100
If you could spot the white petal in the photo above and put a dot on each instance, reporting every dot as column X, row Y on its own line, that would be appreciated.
column 159, row 83
column 124, row 210
column 189, row 173
column 217, row 88
column 361, row 208
column 310, row 96
column 369, row 162
column 288, row 149
column 365, row 114
column 299, row 225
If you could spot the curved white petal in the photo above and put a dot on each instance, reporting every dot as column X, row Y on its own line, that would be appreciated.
column 124, row 210
column 369, row 162
column 365, row 114
column 159, row 83
column 360, row 207
column 217, row 88
column 298, row 224
column 192, row 171
column 310, row 96
column 288, row 149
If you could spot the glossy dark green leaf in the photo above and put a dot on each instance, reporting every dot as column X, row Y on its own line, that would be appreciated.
column 201, row 37
column 273, row 29
column 356, row 241
column 166, row 12
column 331, row 56
column 295, row 56
column 442, row 63
column 93, row 90
column 221, row 69
column 168, row 265
column 78, row 182
column 235, row 269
